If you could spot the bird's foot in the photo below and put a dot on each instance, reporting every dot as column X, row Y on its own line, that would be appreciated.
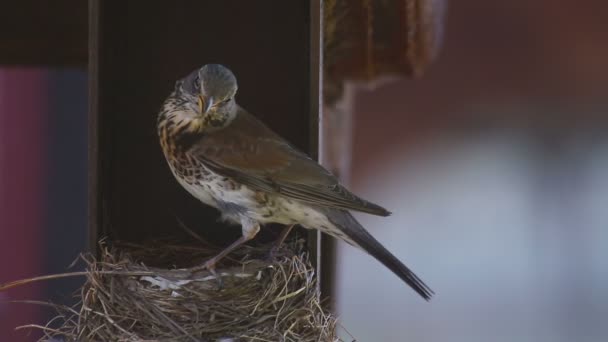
column 273, row 253
column 278, row 248
column 209, row 265
column 276, row 252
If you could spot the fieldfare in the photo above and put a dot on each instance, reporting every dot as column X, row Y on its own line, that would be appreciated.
column 228, row 159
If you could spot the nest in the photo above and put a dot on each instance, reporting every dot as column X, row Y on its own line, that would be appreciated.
column 126, row 298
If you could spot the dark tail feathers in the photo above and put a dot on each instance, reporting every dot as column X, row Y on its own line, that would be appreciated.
column 353, row 229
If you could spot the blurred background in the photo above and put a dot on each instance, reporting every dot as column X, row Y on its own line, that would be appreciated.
column 43, row 189
column 494, row 165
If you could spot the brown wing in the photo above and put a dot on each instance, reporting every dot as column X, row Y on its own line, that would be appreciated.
column 252, row 154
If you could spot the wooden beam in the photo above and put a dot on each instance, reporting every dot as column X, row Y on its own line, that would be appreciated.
column 45, row 33
column 316, row 113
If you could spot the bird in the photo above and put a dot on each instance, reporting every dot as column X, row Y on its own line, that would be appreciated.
column 228, row 159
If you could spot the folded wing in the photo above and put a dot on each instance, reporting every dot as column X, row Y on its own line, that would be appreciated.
column 252, row 154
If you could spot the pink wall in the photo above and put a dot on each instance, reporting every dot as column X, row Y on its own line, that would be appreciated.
column 23, row 114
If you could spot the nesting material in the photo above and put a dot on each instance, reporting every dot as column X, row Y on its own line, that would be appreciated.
column 261, row 299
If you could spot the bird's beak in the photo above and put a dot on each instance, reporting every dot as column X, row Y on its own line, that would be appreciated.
column 201, row 102
column 203, row 105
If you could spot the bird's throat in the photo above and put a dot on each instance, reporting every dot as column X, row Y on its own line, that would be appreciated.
column 178, row 131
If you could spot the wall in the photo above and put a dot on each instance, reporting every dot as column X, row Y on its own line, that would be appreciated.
column 494, row 165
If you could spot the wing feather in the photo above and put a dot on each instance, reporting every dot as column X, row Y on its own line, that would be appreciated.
column 252, row 154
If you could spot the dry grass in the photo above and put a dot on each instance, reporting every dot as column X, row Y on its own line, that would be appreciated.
column 124, row 298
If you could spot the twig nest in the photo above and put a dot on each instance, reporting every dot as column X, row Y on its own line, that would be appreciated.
column 124, row 299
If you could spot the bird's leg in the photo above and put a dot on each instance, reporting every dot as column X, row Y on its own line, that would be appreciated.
column 284, row 233
column 276, row 245
column 249, row 227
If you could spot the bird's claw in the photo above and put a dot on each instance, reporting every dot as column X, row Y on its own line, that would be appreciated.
column 275, row 252
column 209, row 265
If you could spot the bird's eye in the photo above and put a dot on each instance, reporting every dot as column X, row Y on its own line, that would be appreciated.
column 197, row 83
column 226, row 101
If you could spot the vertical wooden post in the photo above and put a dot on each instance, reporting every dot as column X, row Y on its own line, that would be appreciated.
column 316, row 109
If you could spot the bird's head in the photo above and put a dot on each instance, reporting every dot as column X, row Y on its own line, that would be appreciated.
column 210, row 91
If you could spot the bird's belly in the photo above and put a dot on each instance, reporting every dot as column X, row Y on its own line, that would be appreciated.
column 234, row 200
column 289, row 211
column 261, row 207
column 195, row 186
column 199, row 192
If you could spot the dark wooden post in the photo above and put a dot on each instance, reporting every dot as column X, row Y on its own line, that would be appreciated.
column 138, row 49
column 43, row 33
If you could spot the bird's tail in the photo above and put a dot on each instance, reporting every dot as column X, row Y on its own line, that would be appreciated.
column 344, row 221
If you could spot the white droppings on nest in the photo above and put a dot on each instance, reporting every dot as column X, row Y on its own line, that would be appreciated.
column 164, row 284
